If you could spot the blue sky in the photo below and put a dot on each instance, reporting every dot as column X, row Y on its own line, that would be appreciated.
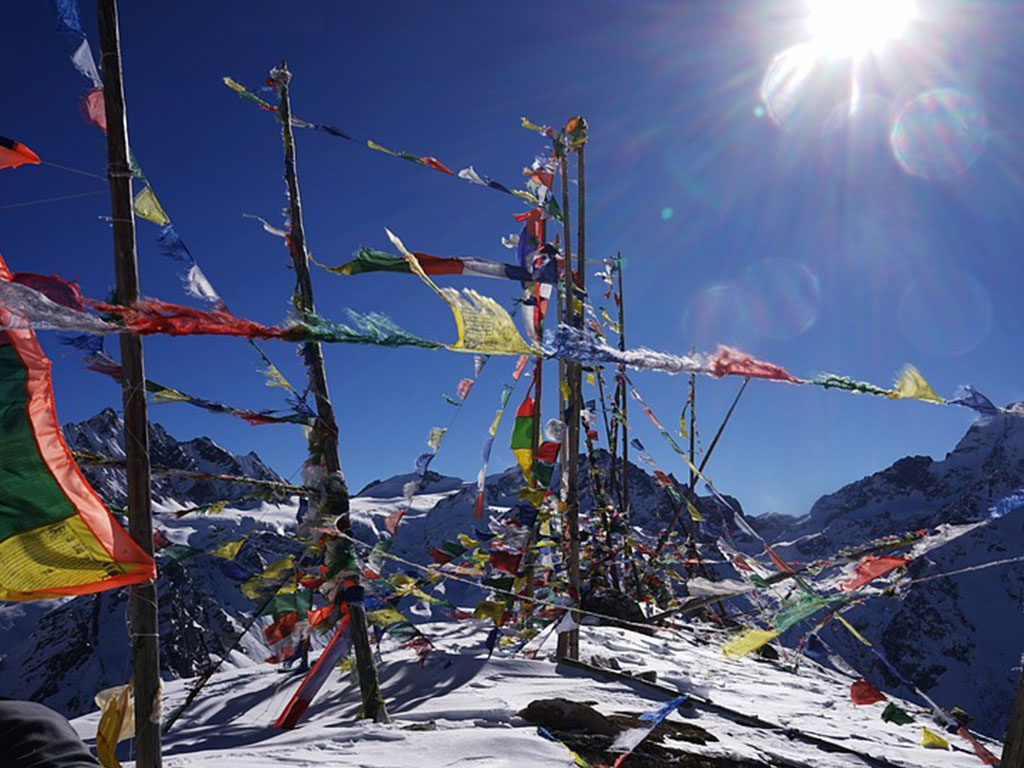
column 786, row 227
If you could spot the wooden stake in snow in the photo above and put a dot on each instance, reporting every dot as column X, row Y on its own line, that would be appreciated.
column 1013, row 751
column 324, row 437
column 142, row 597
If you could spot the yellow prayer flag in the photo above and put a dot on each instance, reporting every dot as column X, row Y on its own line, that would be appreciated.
column 378, row 147
column 525, row 458
column 228, row 550
column 149, row 208
column 434, row 438
column 695, row 514
column 117, row 722
column 489, row 609
column 170, row 396
column 590, row 380
column 911, row 384
column 483, row 325
column 931, row 740
column 468, row 541
column 384, row 617
column 750, row 640
column 852, row 630
column 275, row 378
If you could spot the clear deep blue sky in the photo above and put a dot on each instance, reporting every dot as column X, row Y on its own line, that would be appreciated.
column 810, row 246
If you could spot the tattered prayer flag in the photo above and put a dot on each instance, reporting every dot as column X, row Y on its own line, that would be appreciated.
column 505, row 561
column 94, row 108
column 894, row 714
column 434, row 438
column 630, row 739
column 862, row 692
column 462, row 390
column 335, row 651
column 13, row 154
column 385, row 616
column 483, row 325
column 56, row 536
column 117, row 722
column 750, row 640
column 148, row 207
column 932, row 740
column 911, row 384
column 281, row 628
column 732, row 362
column 228, row 550
column 871, row 567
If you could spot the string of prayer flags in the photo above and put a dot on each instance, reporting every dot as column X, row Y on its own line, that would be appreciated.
column 101, row 362
column 483, row 325
column 468, row 174
column 863, row 693
column 370, row 260
column 14, row 153
column 749, row 641
column 932, row 740
column 575, row 344
column 56, row 536
column 894, row 714
column 870, row 568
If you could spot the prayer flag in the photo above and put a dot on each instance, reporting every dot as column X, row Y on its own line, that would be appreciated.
column 894, row 714
column 56, row 536
column 149, row 208
column 932, row 740
column 910, row 383
column 117, row 723
column 13, row 154
column 748, row 641
column 871, row 567
column 862, row 692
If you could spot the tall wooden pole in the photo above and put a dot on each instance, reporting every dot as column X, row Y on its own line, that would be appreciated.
column 1013, row 750
column 144, row 626
column 693, row 431
column 624, row 402
column 568, row 642
column 324, row 437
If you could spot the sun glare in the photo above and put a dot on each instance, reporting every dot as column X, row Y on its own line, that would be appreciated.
column 857, row 27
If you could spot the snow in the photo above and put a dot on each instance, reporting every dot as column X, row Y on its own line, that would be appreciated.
column 458, row 709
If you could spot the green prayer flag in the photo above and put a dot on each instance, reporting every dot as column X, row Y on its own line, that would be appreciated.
column 893, row 714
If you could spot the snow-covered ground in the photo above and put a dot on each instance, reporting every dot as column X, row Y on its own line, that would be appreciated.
column 459, row 709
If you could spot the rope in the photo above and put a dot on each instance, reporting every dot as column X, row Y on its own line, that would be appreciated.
column 28, row 203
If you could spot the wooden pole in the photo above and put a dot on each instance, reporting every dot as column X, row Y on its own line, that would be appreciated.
column 624, row 402
column 323, row 438
column 1013, row 749
column 144, row 622
column 568, row 642
column 693, row 430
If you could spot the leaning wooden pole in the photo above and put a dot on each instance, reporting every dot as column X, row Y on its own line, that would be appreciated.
column 144, row 627
column 323, row 438
column 623, row 403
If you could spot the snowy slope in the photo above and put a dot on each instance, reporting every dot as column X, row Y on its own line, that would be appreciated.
column 459, row 710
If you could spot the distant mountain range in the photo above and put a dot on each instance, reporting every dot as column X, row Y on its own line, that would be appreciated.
column 959, row 638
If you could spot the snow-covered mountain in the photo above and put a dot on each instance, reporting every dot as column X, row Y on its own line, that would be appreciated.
column 103, row 434
column 957, row 638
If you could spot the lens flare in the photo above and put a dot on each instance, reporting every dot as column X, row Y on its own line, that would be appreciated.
column 718, row 314
column 801, row 88
column 785, row 298
column 945, row 312
column 857, row 27
column 939, row 134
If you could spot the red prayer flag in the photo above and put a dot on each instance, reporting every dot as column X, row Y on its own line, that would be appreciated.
column 281, row 628
column 983, row 754
column 862, row 692
column 392, row 521
column 505, row 561
column 729, row 361
column 440, row 557
column 94, row 109
column 870, row 568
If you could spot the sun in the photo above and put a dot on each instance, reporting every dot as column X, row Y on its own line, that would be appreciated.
column 857, row 27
